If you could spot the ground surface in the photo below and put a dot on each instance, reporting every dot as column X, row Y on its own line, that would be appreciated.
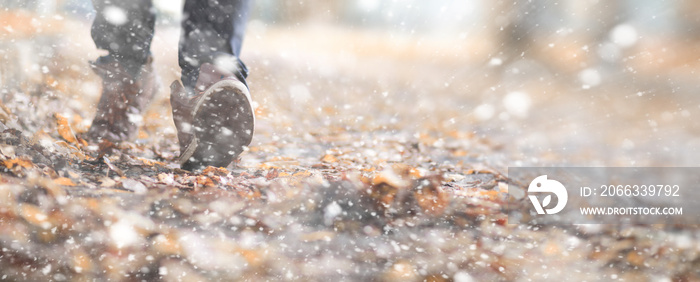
column 374, row 158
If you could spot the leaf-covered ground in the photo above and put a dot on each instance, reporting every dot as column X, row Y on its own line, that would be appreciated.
column 369, row 163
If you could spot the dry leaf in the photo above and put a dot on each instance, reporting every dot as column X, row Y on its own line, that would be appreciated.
column 253, row 257
column 64, row 129
column 318, row 236
column 430, row 196
column 64, row 181
column 205, row 181
column 261, row 111
column 401, row 271
column 107, row 182
column 20, row 162
column 304, row 173
column 634, row 258
column 112, row 167
column 134, row 186
column 166, row 178
column 383, row 195
column 391, row 178
column 82, row 262
column 150, row 162
column 142, row 134
column 35, row 216
column 210, row 170
column 75, row 151
column 271, row 174
column 167, row 244
column 329, row 159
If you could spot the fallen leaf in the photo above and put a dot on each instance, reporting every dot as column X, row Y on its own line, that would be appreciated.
column 142, row 134
column 391, row 178
column 430, row 196
column 167, row 244
column 383, row 194
column 460, row 153
column 35, row 216
column 271, row 174
column 6, row 116
column 205, row 181
column 112, row 167
column 318, row 236
column 64, row 181
column 552, row 248
column 107, row 182
column 303, row 173
column 64, row 129
column 166, row 178
column 261, row 111
column 634, row 258
column 401, row 271
column 21, row 162
column 329, row 159
column 253, row 257
column 134, row 186
column 210, row 170
column 38, row 136
column 81, row 262
column 150, row 162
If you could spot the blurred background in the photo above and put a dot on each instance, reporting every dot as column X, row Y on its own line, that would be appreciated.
column 572, row 82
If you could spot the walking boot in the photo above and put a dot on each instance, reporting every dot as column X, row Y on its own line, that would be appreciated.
column 214, row 121
column 123, row 101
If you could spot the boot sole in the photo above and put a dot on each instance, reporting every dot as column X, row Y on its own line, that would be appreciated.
column 223, row 125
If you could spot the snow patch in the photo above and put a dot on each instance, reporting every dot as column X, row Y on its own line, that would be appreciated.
column 115, row 15
column 299, row 93
column 517, row 103
column 484, row 112
column 624, row 35
column 368, row 5
column 463, row 277
column 227, row 63
column 331, row 212
column 590, row 78
column 123, row 234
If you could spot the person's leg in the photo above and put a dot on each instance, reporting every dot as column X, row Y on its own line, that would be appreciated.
column 125, row 29
column 212, row 111
column 212, row 32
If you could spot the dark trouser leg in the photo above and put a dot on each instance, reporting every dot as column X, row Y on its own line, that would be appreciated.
column 125, row 29
column 212, row 32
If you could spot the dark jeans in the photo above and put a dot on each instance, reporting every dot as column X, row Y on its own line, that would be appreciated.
column 212, row 31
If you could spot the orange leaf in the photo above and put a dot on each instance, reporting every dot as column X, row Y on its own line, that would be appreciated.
column 302, row 174
column 35, row 216
column 64, row 129
column 431, row 197
column 329, row 159
column 205, row 181
column 210, row 170
column 142, row 134
column 261, row 111
column 167, row 244
column 635, row 259
column 21, row 162
column 64, row 181
column 82, row 262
